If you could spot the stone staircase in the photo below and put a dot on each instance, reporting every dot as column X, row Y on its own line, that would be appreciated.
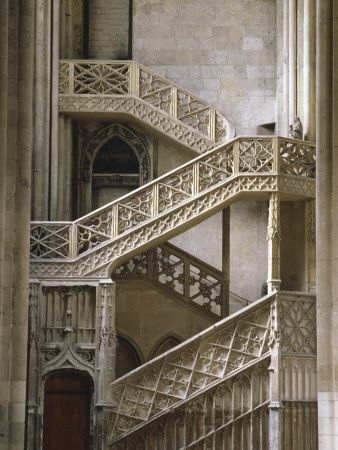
column 233, row 386
column 116, row 88
column 236, row 384
column 94, row 245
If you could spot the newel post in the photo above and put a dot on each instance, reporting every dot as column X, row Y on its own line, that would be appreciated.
column 274, row 238
column 134, row 79
column 276, row 405
column 105, row 359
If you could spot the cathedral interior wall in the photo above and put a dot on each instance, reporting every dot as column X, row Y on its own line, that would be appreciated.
column 146, row 315
column 223, row 52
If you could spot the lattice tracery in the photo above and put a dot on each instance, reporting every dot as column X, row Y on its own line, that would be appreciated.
column 191, row 191
column 116, row 78
column 197, row 379
column 194, row 281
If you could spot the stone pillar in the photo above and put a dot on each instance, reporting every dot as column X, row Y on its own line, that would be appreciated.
column 33, row 413
column 4, row 325
column 68, row 143
column 41, row 149
column 54, row 112
column 226, row 260
column 17, row 21
column 327, row 225
column 310, row 244
column 309, row 120
column 61, row 169
column 273, row 238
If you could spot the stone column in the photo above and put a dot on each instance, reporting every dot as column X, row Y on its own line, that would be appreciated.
column 309, row 120
column 33, row 388
column 273, row 238
column 55, row 112
column 61, row 169
column 327, row 226
column 226, row 260
column 18, row 147
column 41, row 147
column 4, row 325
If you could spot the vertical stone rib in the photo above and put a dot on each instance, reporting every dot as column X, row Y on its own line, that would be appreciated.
column 325, row 223
column 3, row 141
column 42, row 113
column 22, row 197
column 54, row 112
column 286, row 67
column 292, row 59
column 309, row 122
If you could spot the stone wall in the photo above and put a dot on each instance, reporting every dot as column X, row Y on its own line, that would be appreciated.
column 222, row 51
column 146, row 316
column 248, row 248
column 108, row 29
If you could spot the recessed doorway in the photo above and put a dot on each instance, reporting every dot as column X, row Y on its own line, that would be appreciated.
column 66, row 412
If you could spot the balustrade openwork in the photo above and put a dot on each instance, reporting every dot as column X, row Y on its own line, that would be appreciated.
column 89, row 80
column 181, row 275
column 163, row 208
column 216, row 386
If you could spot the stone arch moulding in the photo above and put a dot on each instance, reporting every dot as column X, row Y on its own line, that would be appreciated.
column 125, row 337
column 103, row 136
column 168, row 337
column 67, row 359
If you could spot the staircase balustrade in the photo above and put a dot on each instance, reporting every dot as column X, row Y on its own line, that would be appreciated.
column 173, row 202
column 180, row 275
column 218, row 385
column 82, row 83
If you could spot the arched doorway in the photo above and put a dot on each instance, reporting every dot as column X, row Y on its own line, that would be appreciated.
column 66, row 412
column 116, row 149
column 116, row 171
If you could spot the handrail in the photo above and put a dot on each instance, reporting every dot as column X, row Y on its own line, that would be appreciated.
column 249, row 156
column 128, row 78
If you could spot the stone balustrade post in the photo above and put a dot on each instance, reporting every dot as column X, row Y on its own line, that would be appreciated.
column 275, row 406
column 274, row 238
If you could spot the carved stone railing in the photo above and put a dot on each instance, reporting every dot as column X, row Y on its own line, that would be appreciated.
column 129, row 88
column 225, row 375
column 180, row 275
column 172, row 203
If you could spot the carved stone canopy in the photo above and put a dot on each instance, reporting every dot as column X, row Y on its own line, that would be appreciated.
column 105, row 135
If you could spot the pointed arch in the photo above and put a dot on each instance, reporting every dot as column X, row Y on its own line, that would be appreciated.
column 166, row 343
column 128, row 355
column 127, row 135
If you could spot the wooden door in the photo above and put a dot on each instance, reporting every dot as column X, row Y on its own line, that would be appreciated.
column 66, row 413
